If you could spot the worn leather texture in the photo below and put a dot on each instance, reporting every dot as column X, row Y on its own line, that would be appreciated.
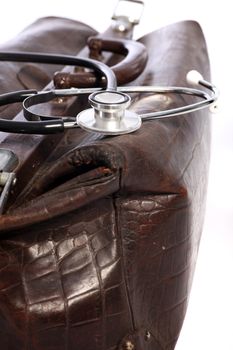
column 98, row 250
column 49, row 35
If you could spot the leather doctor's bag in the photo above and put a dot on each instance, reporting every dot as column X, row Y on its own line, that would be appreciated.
column 99, row 232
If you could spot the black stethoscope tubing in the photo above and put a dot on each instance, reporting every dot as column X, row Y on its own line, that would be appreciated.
column 54, row 125
column 42, row 124
column 64, row 60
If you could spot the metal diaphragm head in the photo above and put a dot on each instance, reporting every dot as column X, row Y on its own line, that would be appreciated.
column 109, row 115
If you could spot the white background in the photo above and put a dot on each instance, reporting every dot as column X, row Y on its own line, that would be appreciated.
column 208, row 324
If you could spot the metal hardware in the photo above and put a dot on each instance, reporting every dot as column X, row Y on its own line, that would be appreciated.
column 109, row 114
column 147, row 336
column 8, row 162
column 7, row 180
column 127, row 14
column 128, row 345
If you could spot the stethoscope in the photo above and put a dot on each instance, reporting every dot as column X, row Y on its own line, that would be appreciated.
column 108, row 113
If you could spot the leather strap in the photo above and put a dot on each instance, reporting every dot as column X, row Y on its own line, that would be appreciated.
column 134, row 62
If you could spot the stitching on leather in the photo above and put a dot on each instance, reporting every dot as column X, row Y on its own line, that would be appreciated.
column 101, row 290
column 116, row 211
column 24, row 284
column 57, row 269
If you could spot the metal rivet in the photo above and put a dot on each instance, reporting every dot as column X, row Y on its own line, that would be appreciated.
column 147, row 336
column 128, row 345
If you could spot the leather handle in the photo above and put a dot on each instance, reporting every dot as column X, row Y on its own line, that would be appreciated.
column 134, row 62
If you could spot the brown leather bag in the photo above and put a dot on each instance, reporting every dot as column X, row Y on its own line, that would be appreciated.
column 100, row 235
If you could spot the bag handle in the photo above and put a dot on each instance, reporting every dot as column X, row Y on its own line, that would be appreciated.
column 128, row 69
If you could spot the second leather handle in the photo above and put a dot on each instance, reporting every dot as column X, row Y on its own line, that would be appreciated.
column 126, row 70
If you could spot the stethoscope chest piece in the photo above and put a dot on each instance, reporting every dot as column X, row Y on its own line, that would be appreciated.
column 109, row 115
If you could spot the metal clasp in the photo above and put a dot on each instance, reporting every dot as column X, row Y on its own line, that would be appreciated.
column 127, row 13
column 8, row 162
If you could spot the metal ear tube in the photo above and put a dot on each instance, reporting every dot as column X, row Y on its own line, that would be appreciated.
column 110, row 116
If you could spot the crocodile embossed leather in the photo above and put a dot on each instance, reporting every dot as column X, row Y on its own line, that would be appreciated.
column 100, row 235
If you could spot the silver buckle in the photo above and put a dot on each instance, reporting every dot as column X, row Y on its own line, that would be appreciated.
column 129, row 9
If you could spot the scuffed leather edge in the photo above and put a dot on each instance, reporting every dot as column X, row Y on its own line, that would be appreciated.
column 73, row 194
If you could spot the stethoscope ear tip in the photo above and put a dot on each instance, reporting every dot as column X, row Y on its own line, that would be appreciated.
column 193, row 77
